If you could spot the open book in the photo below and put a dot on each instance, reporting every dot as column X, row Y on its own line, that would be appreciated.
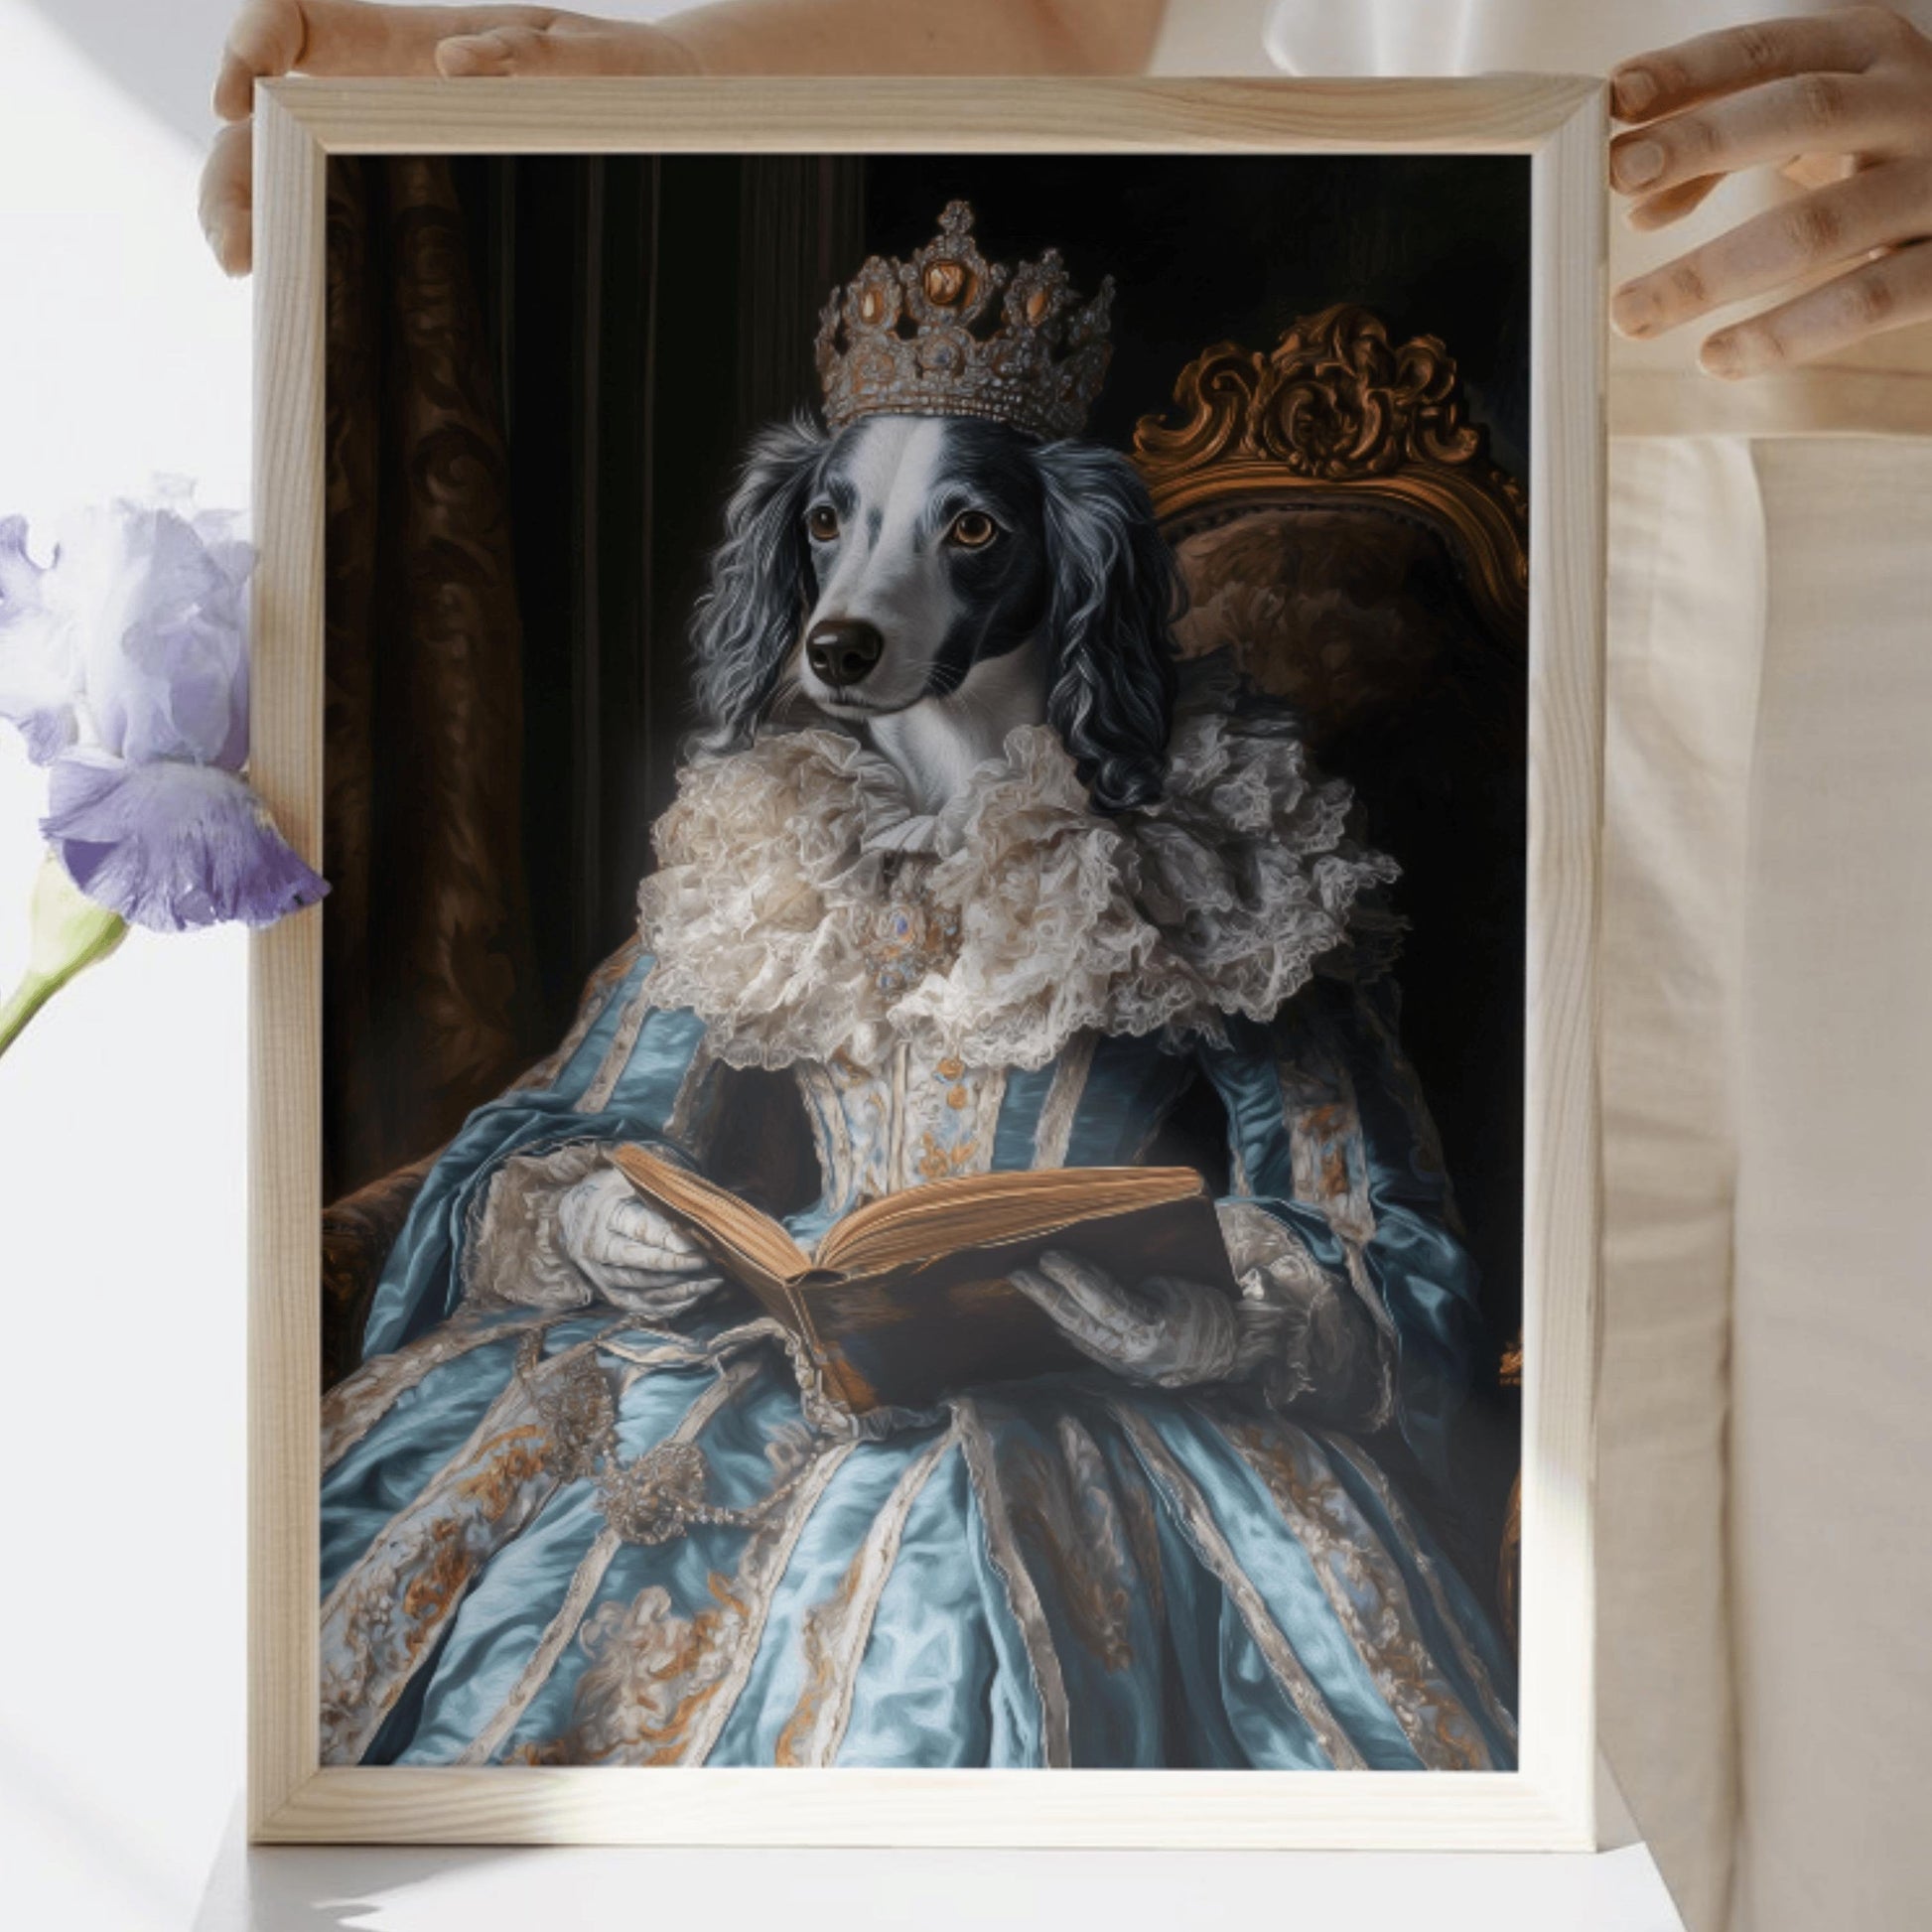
column 907, row 1299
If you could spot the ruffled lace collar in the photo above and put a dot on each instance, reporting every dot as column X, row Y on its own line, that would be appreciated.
column 802, row 908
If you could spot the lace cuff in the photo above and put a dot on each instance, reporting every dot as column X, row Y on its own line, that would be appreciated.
column 512, row 1254
column 1306, row 1338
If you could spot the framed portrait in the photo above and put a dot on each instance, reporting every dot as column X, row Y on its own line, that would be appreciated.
column 931, row 1175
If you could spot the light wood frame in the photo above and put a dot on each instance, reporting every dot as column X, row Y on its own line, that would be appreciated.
column 1546, row 1804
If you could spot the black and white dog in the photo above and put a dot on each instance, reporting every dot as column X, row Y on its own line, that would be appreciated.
column 936, row 582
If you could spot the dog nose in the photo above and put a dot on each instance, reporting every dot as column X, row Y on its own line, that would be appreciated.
column 841, row 650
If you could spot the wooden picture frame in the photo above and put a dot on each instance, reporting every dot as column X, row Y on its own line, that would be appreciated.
column 1548, row 1803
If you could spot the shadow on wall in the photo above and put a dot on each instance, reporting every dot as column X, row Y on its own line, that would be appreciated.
column 163, row 56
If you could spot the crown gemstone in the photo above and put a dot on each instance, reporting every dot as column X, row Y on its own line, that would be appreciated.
column 923, row 337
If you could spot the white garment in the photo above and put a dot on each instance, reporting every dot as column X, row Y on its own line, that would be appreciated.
column 1832, row 1326
column 1766, row 946
column 1686, row 623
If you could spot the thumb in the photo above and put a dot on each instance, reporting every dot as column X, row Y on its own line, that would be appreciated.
column 1045, row 1294
column 500, row 52
column 227, row 197
column 523, row 52
column 1064, row 1309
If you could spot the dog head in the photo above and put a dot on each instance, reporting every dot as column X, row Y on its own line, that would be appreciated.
column 878, row 570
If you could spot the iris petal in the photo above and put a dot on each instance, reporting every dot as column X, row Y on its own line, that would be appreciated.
column 39, row 661
column 159, row 601
column 171, row 845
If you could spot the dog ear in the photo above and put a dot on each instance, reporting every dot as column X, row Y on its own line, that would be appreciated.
column 759, row 585
column 1115, row 598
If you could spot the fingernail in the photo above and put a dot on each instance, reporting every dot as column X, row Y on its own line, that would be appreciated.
column 1631, row 91
column 1637, row 163
column 1718, row 356
column 459, row 57
column 1630, row 309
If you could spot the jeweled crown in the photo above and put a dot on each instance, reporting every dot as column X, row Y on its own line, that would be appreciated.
column 903, row 338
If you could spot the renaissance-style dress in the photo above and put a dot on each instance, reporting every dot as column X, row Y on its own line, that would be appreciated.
column 559, row 1529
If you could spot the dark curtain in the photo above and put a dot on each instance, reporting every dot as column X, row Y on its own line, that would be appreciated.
column 539, row 374
column 426, row 940
column 644, row 315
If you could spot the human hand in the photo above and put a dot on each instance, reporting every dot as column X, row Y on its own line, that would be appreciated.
column 343, row 38
column 1169, row 1332
column 630, row 1252
column 1854, row 83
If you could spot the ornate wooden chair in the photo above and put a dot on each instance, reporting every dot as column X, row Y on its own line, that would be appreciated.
column 1316, row 494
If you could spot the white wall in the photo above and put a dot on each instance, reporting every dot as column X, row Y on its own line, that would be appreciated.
column 122, row 350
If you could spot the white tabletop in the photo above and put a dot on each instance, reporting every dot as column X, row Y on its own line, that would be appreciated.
column 443, row 1890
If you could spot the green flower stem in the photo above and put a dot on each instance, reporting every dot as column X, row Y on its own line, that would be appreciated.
column 29, row 997
column 69, row 934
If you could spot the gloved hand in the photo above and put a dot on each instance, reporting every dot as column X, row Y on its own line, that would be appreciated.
column 1162, row 1331
column 634, row 1255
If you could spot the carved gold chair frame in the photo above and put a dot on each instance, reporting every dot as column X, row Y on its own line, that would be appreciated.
column 1337, row 413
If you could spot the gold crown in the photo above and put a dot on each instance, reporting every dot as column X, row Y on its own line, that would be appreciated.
column 900, row 340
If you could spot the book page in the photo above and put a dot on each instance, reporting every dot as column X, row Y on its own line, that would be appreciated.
column 976, row 1210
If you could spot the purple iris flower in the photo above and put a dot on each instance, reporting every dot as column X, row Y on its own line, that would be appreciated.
column 124, row 663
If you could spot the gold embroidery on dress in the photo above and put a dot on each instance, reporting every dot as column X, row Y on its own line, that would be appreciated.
column 1184, row 1497
column 1330, row 1171
column 937, row 1163
column 899, row 1124
column 596, row 1560
column 660, row 1687
column 1368, row 1597
column 823, row 1655
column 1063, row 1508
column 654, row 1497
column 1022, row 1594
column 382, row 1620
column 362, row 1398
column 1426, row 1566
column 836, row 1632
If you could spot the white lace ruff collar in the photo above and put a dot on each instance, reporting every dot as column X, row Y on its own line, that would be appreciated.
column 802, row 907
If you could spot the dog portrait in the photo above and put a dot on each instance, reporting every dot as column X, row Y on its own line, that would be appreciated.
column 926, row 1083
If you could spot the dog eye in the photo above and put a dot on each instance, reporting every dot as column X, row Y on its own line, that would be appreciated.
column 972, row 531
column 822, row 520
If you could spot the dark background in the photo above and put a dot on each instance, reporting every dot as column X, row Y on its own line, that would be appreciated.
column 542, row 374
